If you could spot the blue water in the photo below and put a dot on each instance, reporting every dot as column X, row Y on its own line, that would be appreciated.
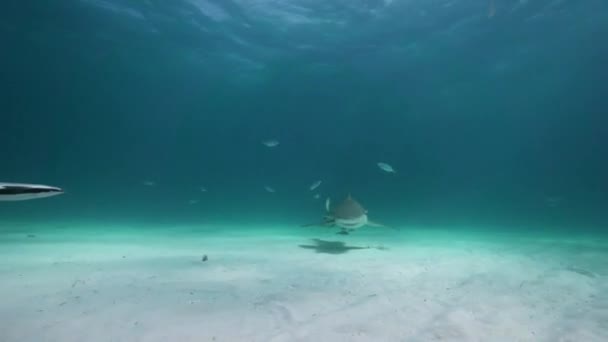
column 492, row 112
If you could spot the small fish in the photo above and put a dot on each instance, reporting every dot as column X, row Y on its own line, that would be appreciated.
column 193, row 201
column 203, row 189
column 269, row 189
column 492, row 9
column 148, row 183
column 271, row 143
column 315, row 185
column 554, row 201
column 386, row 167
column 316, row 196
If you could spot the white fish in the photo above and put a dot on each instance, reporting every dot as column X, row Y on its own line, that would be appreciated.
column 271, row 143
column 203, row 189
column 315, row 185
column 554, row 201
column 316, row 196
column 386, row 167
column 193, row 201
column 22, row 192
column 148, row 183
column 269, row 189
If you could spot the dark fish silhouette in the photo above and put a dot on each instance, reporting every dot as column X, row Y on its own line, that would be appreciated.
column 22, row 192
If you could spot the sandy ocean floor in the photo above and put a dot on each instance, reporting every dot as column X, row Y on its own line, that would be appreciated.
column 113, row 283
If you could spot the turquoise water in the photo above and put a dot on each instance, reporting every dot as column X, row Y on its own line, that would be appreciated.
column 492, row 113
column 485, row 118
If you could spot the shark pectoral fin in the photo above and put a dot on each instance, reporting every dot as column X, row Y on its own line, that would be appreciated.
column 327, row 222
column 376, row 224
column 317, row 224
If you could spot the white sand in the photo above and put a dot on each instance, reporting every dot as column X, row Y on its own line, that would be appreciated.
column 115, row 284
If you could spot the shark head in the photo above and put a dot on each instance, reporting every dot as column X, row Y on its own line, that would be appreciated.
column 349, row 214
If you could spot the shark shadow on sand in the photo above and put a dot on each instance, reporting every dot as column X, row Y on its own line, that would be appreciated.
column 331, row 247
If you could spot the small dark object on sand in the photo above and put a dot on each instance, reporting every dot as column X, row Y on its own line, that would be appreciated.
column 204, row 258
column 31, row 236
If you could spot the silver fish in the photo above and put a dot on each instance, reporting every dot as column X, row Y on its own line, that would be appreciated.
column 271, row 143
column 315, row 185
column 148, row 183
column 386, row 167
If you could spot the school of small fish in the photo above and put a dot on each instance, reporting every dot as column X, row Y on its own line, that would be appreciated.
column 273, row 143
column 386, row 167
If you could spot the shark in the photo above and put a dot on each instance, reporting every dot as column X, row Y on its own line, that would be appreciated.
column 348, row 215
column 22, row 192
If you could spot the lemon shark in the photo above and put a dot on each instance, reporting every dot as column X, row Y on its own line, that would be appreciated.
column 22, row 192
column 348, row 215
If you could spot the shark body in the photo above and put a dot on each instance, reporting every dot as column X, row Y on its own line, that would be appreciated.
column 348, row 215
